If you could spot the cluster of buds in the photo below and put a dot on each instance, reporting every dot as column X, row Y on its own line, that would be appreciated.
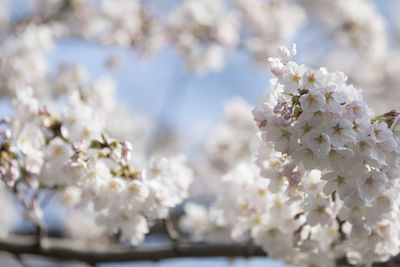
column 9, row 166
column 119, row 152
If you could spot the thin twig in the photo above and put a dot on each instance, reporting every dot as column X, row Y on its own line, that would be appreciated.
column 20, row 260
column 52, row 192
column 170, row 229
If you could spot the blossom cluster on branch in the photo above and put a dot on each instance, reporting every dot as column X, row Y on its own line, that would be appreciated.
column 64, row 148
column 323, row 185
column 322, row 126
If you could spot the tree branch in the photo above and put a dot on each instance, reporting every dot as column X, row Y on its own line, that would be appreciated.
column 72, row 250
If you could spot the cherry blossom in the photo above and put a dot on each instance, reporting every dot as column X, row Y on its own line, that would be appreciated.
column 342, row 152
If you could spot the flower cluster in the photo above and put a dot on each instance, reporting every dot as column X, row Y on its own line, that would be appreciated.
column 324, row 184
column 275, row 220
column 63, row 147
column 232, row 141
column 323, row 128
column 108, row 22
column 355, row 25
column 204, row 224
column 123, row 198
column 204, row 31
column 362, row 36
column 22, row 59
column 269, row 24
column 201, row 31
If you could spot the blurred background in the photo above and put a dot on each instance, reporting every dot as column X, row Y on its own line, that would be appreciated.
column 178, row 95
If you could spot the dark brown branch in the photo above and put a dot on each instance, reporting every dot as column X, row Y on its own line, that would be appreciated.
column 71, row 250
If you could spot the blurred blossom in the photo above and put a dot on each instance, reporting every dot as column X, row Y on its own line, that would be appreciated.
column 233, row 140
column 355, row 25
column 82, row 225
column 9, row 213
column 202, row 31
column 269, row 24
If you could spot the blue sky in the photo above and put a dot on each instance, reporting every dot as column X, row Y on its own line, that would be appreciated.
column 143, row 83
